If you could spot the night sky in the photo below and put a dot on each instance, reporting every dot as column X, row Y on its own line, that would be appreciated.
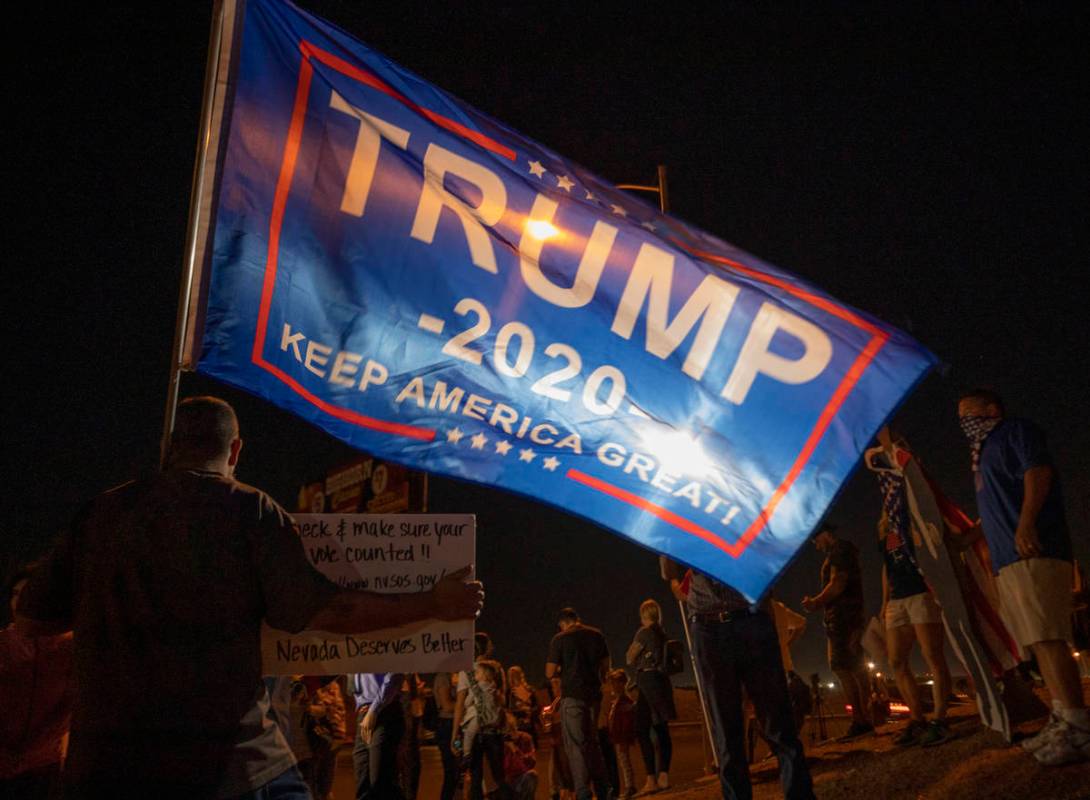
column 925, row 164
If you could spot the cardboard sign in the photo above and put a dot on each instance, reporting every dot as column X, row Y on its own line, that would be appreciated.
column 384, row 553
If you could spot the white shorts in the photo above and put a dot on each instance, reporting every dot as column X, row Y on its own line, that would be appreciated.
column 1036, row 599
column 919, row 609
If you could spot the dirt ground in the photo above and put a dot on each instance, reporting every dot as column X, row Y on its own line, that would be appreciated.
column 977, row 764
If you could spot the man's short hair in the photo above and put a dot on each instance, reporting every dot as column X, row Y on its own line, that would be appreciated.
column 569, row 614
column 824, row 527
column 988, row 396
column 204, row 426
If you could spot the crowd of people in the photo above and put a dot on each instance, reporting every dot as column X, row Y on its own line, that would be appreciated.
column 1028, row 543
column 134, row 657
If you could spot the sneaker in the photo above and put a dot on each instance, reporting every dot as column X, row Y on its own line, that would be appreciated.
column 1067, row 745
column 1044, row 736
column 856, row 730
column 664, row 781
column 937, row 732
column 649, row 787
column 911, row 734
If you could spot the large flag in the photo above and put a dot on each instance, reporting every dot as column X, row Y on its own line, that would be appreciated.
column 436, row 289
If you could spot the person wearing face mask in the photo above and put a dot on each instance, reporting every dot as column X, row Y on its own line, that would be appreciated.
column 1022, row 518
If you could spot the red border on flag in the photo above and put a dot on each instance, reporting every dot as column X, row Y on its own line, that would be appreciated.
column 280, row 198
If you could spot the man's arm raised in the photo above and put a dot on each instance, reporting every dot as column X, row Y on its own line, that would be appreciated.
column 352, row 611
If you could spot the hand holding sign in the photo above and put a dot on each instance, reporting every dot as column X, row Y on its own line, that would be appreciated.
column 406, row 600
column 456, row 598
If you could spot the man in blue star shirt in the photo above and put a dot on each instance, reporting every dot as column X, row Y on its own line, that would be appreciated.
column 1022, row 515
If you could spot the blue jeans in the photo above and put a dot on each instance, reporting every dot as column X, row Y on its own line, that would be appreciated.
column 288, row 785
column 579, row 727
column 745, row 652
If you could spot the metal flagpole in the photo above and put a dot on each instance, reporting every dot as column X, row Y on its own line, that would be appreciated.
column 681, row 607
column 664, row 205
column 223, row 13
column 707, row 739
column 660, row 189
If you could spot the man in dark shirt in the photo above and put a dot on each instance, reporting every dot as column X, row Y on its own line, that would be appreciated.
column 165, row 583
column 580, row 655
column 842, row 598
column 735, row 646
column 1021, row 507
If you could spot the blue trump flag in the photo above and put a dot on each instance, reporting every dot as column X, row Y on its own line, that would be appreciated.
column 434, row 288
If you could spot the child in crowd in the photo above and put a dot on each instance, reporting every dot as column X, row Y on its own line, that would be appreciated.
column 519, row 760
column 483, row 709
column 622, row 729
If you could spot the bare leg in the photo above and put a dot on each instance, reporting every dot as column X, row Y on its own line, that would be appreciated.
column 1060, row 672
column 899, row 643
column 930, row 636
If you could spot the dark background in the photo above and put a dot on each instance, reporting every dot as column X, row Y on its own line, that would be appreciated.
column 926, row 164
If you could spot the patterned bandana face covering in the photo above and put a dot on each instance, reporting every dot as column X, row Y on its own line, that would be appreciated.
column 891, row 482
column 976, row 429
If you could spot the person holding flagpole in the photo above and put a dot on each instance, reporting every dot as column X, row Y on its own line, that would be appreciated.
column 735, row 648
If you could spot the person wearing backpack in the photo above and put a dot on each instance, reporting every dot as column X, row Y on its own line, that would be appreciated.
column 484, row 722
column 649, row 654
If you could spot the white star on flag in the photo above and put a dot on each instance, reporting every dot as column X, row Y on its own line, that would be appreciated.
column 592, row 196
column 564, row 182
column 649, row 226
column 618, row 210
column 537, row 169
column 478, row 441
column 454, row 435
column 526, row 454
column 550, row 463
column 502, row 447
